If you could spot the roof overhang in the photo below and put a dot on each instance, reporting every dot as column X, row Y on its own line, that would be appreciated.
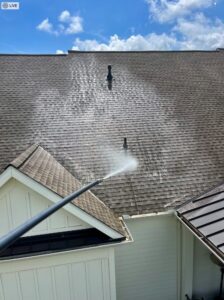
column 214, row 250
column 204, row 216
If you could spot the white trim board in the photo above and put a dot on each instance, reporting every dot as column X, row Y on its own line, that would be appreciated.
column 12, row 172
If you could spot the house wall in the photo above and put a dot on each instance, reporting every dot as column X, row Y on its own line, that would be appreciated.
column 76, row 275
column 206, row 278
column 148, row 267
column 19, row 203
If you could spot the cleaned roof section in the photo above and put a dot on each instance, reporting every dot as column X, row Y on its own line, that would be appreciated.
column 205, row 215
column 41, row 166
column 169, row 105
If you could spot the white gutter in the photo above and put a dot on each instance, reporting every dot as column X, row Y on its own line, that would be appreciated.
column 200, row 239
column 164, row 213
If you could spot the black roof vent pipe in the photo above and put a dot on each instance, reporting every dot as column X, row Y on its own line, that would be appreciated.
column 125, row 145
column 109, row 77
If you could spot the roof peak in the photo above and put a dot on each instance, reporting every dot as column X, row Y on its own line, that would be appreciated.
column 38, row 164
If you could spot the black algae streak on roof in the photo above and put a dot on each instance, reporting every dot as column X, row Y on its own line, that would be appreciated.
column 169, row 105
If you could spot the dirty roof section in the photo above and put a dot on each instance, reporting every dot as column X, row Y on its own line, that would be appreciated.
column 41, row 166
column 169, row 105
column 205, row 216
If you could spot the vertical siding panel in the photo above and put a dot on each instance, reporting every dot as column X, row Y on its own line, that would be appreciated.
column 112, row 274
column 10, row 286
column 45, row 285
column 62, row 282
column 78, row 281
column 106, row 279
column 54, row 283
column 37, row 205
column 18, row 204
column 27, row 284
column 95, row 282
column 58, row 220
column 87, row 282
column 36, row 284
column 19, row 287
column 1, row 290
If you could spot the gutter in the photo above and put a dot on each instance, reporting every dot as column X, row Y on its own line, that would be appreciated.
column 200, row 238
column 160, row 214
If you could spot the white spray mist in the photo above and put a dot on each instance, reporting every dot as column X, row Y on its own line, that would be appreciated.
column 121, row 162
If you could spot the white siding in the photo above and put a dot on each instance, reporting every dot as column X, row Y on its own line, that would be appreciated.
column 148, row 268
column 206, row 274
column 18, row 203
column 86, row 275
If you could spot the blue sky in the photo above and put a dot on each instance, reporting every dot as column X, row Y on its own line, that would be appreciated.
column 44, row 26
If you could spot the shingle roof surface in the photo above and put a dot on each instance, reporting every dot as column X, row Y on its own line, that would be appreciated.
column 169, row 105
column 41, row 166
column 205, row 215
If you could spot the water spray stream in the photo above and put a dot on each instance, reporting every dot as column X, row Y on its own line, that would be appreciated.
column 122, row 163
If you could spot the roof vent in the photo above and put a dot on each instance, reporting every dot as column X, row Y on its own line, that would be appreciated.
column 109, row 77
column 125, row 145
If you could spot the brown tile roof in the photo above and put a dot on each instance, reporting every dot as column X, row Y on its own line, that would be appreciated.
column 41, row 166
column 205, row 216
column 169, row 105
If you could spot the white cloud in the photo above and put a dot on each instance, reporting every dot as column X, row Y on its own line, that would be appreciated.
column 71, row 24
column 196, row 33
column 74, row 22
column 46, row 26
column 200, row 33
column 133, row 43
column 64, row 16
column 59, row 51
column 168, row 10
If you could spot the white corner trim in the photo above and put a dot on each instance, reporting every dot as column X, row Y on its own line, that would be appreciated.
column 12, row 172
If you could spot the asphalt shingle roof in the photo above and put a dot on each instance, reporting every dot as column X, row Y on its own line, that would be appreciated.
column 169, row 105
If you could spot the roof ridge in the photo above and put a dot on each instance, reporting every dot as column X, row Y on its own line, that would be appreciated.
column 30, row 54
column 30, row 155
column 20, row 160
column 144, row 51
